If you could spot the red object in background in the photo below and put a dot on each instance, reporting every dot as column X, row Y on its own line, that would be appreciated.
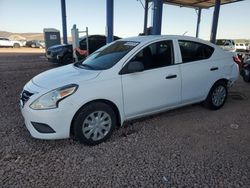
column 82, row 52
column 238, row 61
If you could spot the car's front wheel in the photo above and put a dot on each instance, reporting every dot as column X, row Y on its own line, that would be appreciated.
column 217, row 96
column 16, row 45
column 94, row 123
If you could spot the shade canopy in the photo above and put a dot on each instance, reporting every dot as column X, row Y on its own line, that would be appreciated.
column 197, row 3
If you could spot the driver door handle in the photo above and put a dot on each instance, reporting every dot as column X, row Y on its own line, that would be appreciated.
column 171, row 76
column 214, row 68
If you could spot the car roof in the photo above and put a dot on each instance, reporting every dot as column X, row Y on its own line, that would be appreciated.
column 149, row 38
column 83, row 37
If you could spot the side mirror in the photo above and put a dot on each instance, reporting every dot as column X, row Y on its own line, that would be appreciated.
column 135, row 66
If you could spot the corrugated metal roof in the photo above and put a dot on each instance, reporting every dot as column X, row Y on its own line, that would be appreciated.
column 197, row 3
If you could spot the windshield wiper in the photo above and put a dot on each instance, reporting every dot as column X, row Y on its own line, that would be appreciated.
column 81, row 65
column 88, row 66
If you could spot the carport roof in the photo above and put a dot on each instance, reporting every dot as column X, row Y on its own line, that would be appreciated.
column 197, row 3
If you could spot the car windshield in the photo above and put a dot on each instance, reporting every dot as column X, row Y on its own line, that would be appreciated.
column 107, row 56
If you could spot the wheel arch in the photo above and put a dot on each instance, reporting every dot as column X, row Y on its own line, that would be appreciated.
column 108, row 102
column 16, row 45
column 225, row 80
column 221, row 80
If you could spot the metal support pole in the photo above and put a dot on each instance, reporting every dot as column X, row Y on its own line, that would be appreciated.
column 198, row 23
column 145, row 17
column 87, row 40
column 157, row 17
column 215, row 21
column 110, row 19
column 75, row 40
column 64, row 23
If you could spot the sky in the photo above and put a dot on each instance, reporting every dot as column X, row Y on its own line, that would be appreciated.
column 34, row 15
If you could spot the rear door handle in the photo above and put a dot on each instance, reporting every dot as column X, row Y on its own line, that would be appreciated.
column 171, row 76
column 214, row 68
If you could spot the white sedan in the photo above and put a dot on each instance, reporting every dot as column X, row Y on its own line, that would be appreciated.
column 124, row 80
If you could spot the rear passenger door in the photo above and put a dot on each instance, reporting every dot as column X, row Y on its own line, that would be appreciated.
column 197, row 70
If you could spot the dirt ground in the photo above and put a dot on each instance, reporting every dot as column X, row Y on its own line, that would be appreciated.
column 21, row 50
column 187, row 147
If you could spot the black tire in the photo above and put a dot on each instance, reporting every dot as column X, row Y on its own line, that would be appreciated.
column 246, row 78
column 84, row 116
column 211, row 102
column 67, row 59
column 16, row 45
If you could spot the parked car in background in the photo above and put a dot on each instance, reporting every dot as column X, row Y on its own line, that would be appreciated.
column 23, row 42
column 226, row 44
column 124, row 80
column 5, row 42
column 35, row 44
column 241, row 47
column 245, row 71
column 63, row 53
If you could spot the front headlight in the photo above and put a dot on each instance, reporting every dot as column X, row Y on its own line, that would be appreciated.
column 51, row 99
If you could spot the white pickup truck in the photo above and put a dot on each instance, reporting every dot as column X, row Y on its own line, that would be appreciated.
column 5, row 42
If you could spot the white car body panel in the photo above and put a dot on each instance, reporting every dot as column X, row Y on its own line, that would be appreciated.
column 157, row 91
column 5, row 42
column 54, row 78
column 135, row 95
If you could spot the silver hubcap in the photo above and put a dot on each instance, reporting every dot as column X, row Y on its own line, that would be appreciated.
column 96, row 125
column 219, row 95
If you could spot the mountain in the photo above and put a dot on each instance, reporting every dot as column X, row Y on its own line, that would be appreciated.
column 22, row 36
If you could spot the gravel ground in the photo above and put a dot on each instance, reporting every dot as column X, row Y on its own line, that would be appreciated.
column 21, row 50
column 187, row 147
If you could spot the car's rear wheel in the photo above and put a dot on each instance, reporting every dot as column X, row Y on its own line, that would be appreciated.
column 16, row 45
column 217, row 96
column 94, row 123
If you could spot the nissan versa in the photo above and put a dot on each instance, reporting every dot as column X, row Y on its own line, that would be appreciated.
column 124, row 80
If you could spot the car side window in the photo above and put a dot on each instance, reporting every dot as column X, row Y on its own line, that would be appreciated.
column 83, row 44
column 156, row 55
column 194, row 51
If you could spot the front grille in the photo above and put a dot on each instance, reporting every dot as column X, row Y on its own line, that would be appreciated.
column 25, row 95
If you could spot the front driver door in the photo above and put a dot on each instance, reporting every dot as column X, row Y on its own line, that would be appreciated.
column 158, row 86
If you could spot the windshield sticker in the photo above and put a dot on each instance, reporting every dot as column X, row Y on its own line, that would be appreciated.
column 131, row 43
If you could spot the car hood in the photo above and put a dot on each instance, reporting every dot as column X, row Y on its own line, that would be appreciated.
column 62, row 76
column 59, row 46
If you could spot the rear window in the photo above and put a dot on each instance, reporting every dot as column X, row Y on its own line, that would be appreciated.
column 194, row 51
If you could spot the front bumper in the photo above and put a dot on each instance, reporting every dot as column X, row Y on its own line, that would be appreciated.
column 45, row 124
column 58, row 120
